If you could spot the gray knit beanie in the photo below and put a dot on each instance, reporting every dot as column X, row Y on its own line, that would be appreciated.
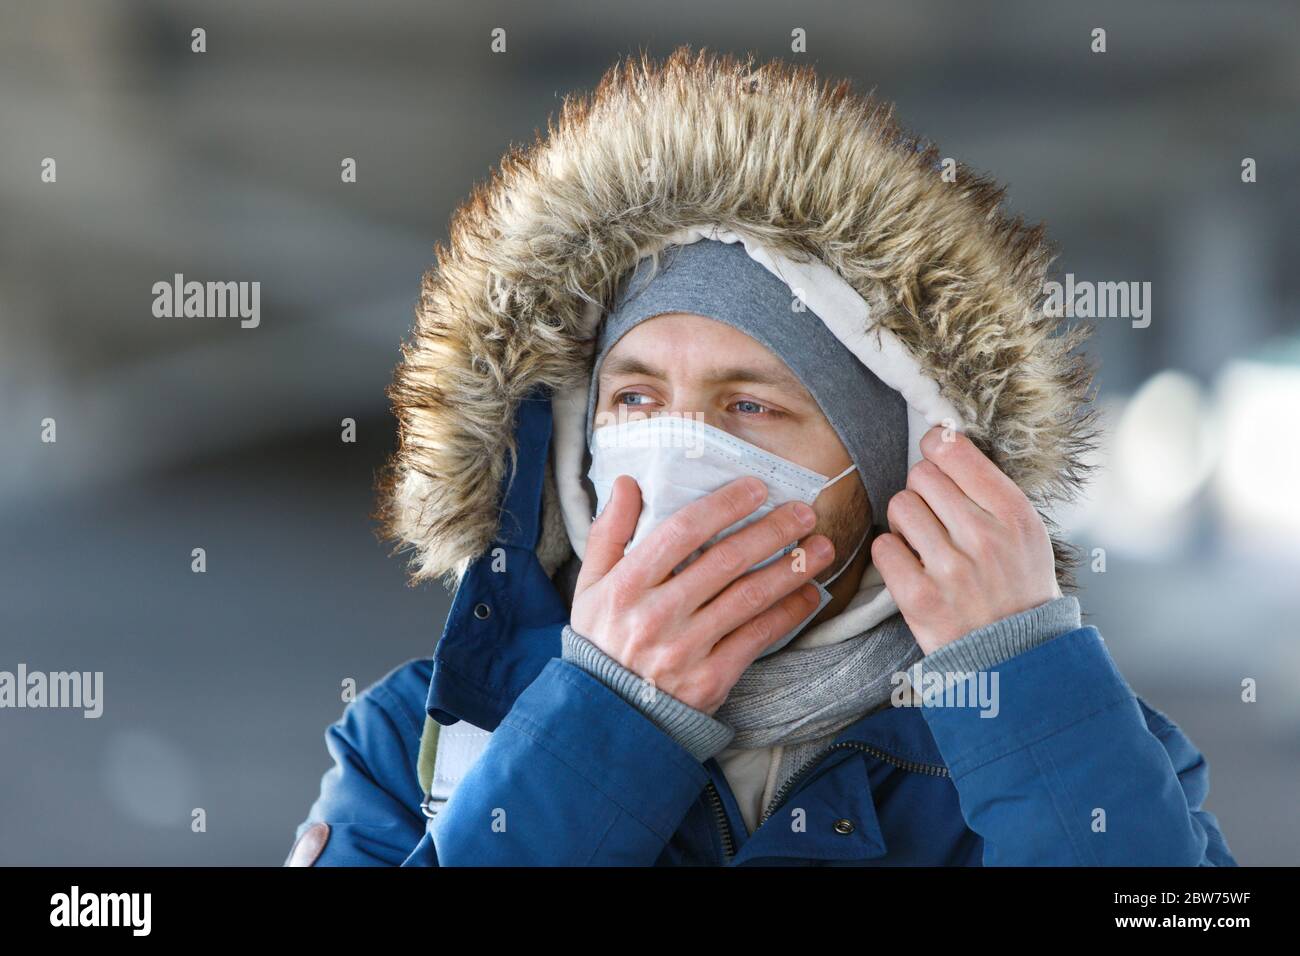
column 721, row 281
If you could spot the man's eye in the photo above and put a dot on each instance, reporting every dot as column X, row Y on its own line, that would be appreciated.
column 619, row 399
column 746, row 407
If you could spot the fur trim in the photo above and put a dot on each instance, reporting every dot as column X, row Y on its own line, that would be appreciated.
column 808, row 167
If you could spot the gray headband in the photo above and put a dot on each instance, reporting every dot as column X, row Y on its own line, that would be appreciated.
column 721, row 281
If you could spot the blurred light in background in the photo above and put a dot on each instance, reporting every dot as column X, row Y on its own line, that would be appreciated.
column 148, row 779
column 1164, row 446
column 1258, row 479
column 1157, row 451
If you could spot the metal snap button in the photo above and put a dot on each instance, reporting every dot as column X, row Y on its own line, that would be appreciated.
column 844, row 827
column 482, row 611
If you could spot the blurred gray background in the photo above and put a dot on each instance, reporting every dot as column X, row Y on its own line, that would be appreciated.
column 176, row 434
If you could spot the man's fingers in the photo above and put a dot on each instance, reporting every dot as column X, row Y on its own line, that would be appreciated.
column 978, row 478
column 741, row 647
column 911, row 519
column 610, row 532
column 735, row 554
column 896, row 564
column 678, row 537
column 756, row 592
column 948, row 502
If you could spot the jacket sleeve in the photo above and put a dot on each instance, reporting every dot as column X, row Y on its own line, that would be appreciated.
column 574, row 775
column 1069, row 768
column 368, row 810
column 695, row 730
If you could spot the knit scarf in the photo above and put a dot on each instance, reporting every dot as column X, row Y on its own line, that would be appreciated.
column 803, row 694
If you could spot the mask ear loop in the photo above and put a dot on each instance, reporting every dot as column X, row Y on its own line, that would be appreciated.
column 865, row 537
column 853, row 557
column 838, row 477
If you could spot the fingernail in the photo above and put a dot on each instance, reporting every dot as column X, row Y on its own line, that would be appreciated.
column 822, row 548
column 804, row 515
column 757, row 490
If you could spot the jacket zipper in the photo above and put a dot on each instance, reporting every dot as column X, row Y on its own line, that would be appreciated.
column 787, row 788
column 723, row 824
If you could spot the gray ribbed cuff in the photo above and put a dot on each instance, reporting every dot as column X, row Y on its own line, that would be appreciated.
column 990, row 645
column 693, row 729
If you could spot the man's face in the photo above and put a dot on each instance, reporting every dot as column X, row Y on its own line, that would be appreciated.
column 686, row 364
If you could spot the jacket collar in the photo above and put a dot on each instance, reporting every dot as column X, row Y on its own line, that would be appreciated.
column 506, row 615
column 900, row 732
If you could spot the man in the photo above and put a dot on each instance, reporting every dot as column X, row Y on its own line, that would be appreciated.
column 817, row 407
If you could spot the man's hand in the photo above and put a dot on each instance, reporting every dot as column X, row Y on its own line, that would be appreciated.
column 694, row 633
column 966, row 547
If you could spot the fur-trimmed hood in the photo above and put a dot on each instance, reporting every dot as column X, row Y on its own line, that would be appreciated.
column 769, row 153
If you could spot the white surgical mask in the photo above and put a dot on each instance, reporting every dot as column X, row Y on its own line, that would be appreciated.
column 677, row 460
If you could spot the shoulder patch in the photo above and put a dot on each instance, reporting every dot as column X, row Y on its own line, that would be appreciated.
column 308, row 847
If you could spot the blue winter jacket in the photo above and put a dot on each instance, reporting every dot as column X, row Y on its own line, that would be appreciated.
column 1074, row 770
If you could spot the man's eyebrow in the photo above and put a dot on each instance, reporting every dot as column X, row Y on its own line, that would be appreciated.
column 763, row 375
column 629, row 365
column 776, row 377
